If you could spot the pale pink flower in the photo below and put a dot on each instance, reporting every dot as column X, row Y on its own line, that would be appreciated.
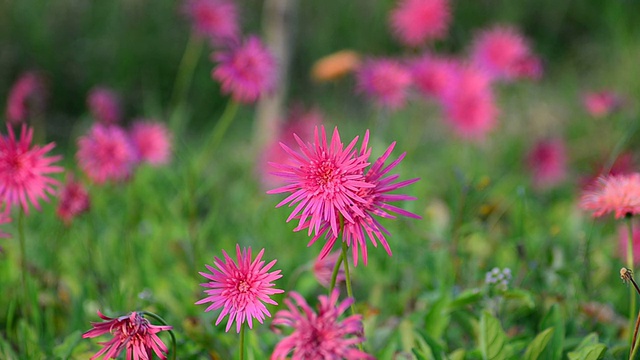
column 152, row 141
column 132, row 332
column 323, row 269
column 432, row 74
column 619, row 194
column 602, row 103
column 547, row 162
column 415, row 22
column 386, row 81
column 623, row 236
column 241, row 288
column 25, row 97
column 246, row 71
column 215, row 19
column 73, row 200
column 106, row 154
column 321, row 335
column 25, row 170
column 104, row 105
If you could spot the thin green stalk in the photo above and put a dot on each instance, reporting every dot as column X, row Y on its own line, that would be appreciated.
column 173, row 337
column 334, row 274
column 219, row 130
column 23, row 261
column 348, row 276
column 632, row 300
column 242, row 341
column 185, row 73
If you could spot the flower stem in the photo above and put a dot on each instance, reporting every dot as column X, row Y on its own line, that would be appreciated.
column 242, row 341
column 632, row 300
column 23, row 261
column 347, row 276
column 334, row 274
column 219, row 130
column 173, row 337
column 185, row 73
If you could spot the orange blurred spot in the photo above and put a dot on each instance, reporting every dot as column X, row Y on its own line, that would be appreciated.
column 335, row 66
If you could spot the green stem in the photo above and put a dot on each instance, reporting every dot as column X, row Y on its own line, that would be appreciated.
column 185, row 73
column 348, row 276
column 242, row 341
column 220, row 129
column 632, row 295
column 334, row 274
column 161, row 321
column 23, row 260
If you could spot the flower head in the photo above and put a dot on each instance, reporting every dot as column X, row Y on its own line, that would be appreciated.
column 547, row 161
column 241, row 288
column 104, row 105
column 152, row 141
column 74, row 200
column 323, row 269
column 619, row 194
column 384, row 80
column 106, row 154
column 319, row 335
column 415, row 22
column 602, row 103
column 246, row 71
column 215, row 19
column 432, row 74
column 24, row 170
column 335, row 66
column 133, row 332
column 25, row 97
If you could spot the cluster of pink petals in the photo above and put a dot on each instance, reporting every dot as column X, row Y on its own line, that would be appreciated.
column 215, row 19
column 602, row 103
column 319, row 335
column 246, row 71
column 106, row 153
column 25, row 169
column 27, row 94
column 623, row 236
column 323, row 269
column 415, row 22
column 386, row 81
column 432, row 75
column 547, row 161
column 241, row 288
column 73, row 200
column 132, row 332
column 618, row 194
column 152, row 141
column 104, row 105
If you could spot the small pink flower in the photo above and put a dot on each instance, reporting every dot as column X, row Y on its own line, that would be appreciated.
column 415, row 22
column 619, row 194
column 104, row 105
column 386, row 81
column 601, row 104
column 323, row 269
column 106, row 154
column 25, row 97
column 245, row 71
column 215, row 19
column 152, row 141
column 241, row 288
column 133, row 332
column 432, row 75
column 623, row 236
column 74, row 200
column 24, row 170
column 547, row 161
column 319, row 335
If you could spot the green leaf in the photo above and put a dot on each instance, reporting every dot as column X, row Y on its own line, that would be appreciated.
column 538, row 344
column 492, row 337
column 589, row 352
column 438, row 318
column 553, row 318
column 457, row 355
column 436, row 348
column 467, row 297
column 523, row 296
column 64, row 350
column 590, row 339
column 420, row 355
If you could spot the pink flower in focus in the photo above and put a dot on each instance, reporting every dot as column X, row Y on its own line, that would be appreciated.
column 384, row 80
column 133, row 332
column 245, row 71
column 25, row 97
column 24, row 170
column 152, row 141
column 74, row 200
column 106, row 154
column 432, row 75
column 619, row 194
column 548, row 162
column 415, row 22
column 319, row 335
column 104, row 105
column 216, row 19
column 623, row 236
column 240, row 289
column 601, row 104
column 323, row 269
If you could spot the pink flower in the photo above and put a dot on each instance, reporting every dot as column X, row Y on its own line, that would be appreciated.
column 623, row 236
column 106, row 154
column 245, row 71
column 323, row 269
column 152, row 141
column 548, row 162
column 240, row 289
column 601, row 104
column 104, row 105
column 384, row 80
column 619, row 194
column 25, row 97
column 74, row 200
column 216, row 19
column 133, row 332
column 415, row 22
column 432, row 74
column 24, row 170
column 319, row 335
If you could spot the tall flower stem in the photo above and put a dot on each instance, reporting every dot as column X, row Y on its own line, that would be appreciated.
column 23, row 261
column 632, row 300
column 185, row 73
column 242, row 340
column 219, row 130
column 347, row 275
column 173, row 337
column 334, row 274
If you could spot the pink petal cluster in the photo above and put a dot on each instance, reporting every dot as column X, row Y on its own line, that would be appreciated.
column 618, row 194
column 415, row 22
column 432, row 75
column 386, row 81
column 215, row 19
column 246, row 71
column 106, row 154
column 131, row 332
column 547, row 162
column 104, row 105
column 26, row 95
column 241, row 288
column 152, row 141
column 319, row 335
column 323, row 269
column 623, row 236
column 25, row 170
column 73, row 200
column 602, row 103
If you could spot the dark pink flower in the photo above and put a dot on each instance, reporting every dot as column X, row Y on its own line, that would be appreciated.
column 246, row 71
column 323, row 269
column 415, row 22
column 104, row 105
column 547, row 162
column 432, row 74
column 385, row 81
column 132, row 332
column 623, row 236
column 215, row 19
column 25, row 97
column 319, row 335
column 619, row 194
column 24, row 170
column 73, row 200
column 152, row 141
column 106, row 154
column 601, row 104
column 241, row 288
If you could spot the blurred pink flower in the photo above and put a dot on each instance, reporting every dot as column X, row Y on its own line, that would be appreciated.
column 386, row 81
column 619, row 194
column 215, row 19
column 240, row 289
column 24, row 170
column 25, row 97
column 547, row 162
column 415, row 22
column 133, row 332
column 152, row 141
column 106, row 154
column 246, row 71
column 432, row 74
column 623, row 236
column 323, row 269
column 73, row 200
column 104, row 105
column 601, row 104
column 319, row 335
